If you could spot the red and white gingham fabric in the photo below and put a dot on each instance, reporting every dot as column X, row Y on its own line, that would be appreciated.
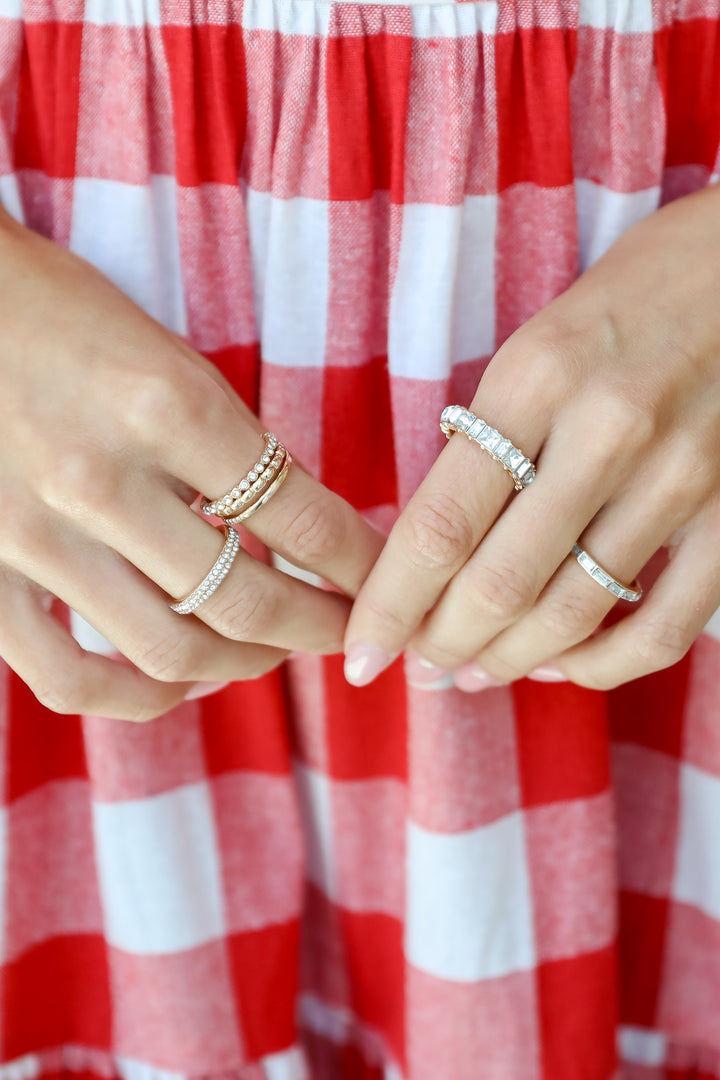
column 348, row 207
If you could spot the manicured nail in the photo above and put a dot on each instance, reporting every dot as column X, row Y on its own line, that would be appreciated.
column 421, row 671
column 472, row 678
column 547, row 673
column 363, row 663
column 202, row 689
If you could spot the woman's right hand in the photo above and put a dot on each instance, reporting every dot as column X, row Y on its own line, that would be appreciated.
column 111, row 426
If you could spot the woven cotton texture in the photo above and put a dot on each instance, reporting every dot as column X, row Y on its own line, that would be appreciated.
column 348, row 208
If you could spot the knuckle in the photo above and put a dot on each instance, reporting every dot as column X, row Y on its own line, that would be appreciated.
column 18, row 542
column 395, row 625
column 315, row 535
column 567, row 616
column 503, row 592
column 440, row 534
column 590, row 680
column 659, row 643
column 249, row 615
column 76, row 479
column 618, row 423
column 145, row 713
column 691, row 470
column 500, row 667
column 64, row 695
column 154, row 398
column 169, row 659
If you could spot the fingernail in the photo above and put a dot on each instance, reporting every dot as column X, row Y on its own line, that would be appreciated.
column 420, row 670
column 472, row 678
column 547, row 673
column 363, row 663
column 202, row 689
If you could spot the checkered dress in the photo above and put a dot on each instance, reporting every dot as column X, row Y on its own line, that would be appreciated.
column 348, row 207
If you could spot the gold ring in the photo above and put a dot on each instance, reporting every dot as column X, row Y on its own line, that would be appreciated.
column 257, row 486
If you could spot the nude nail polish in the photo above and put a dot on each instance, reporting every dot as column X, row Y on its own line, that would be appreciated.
column 547, row 673
column 420, row 671
column 363, row 663
column 472, row 678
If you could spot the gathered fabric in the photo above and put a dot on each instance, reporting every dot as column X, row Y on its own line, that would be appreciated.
column 348, row 207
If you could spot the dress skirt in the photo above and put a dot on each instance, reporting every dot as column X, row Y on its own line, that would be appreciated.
column 348, row 207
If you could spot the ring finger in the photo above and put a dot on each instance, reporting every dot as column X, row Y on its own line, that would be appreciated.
column 622, row 539
column 62, row 675
column 129, row 610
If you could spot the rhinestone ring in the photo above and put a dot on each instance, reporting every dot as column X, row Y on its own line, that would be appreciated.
column 257, row 486
column 210, row 582
column 623, row 592
column 265, row 494
column 456, row 418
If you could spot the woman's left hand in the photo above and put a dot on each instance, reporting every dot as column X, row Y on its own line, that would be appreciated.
column 613, row 390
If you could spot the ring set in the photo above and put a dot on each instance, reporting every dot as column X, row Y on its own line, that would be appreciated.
column 455, row 418
column 265, row 477
column 258, row 485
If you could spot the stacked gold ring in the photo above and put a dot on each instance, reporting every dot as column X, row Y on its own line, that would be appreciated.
column 257, row 486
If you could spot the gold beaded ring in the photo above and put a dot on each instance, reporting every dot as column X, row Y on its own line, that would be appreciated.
column 257, row 486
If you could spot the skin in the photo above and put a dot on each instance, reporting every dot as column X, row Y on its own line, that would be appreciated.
column 613, row 389
column 111, row 426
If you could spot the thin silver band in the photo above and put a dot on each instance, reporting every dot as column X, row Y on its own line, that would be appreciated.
column 521, row 469
column 217, row 573
column 597, row 573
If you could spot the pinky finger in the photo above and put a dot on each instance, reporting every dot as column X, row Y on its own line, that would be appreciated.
column 678, row 607
column 61, row 674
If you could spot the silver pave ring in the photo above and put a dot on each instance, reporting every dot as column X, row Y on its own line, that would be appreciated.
column 597, row 573
column 217, row 573
column 455, row 418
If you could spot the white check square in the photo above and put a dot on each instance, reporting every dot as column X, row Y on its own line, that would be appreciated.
column 129, row 231
column 697, row 865
column 444, row 278
column 469, row 914
column 604, row 215
column 289, row 244
column 313, row 789
column 159, row 872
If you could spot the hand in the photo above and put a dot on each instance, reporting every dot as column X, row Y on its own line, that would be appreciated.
column 613, row 390
column 111, row 425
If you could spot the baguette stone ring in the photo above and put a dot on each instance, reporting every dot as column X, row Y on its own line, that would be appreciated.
column 597, row 573
column 456, row 418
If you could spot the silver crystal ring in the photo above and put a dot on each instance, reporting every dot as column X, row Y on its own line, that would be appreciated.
column 212, row 579
column 456, row 418
column 597, row 573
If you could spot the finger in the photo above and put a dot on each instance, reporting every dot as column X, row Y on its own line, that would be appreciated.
column 502, row 580
column 255, row 602
column 208, row 439
column 444, row 521
column 671, row 617
column 62, row 675
column 622, row 539
column 130, row 611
